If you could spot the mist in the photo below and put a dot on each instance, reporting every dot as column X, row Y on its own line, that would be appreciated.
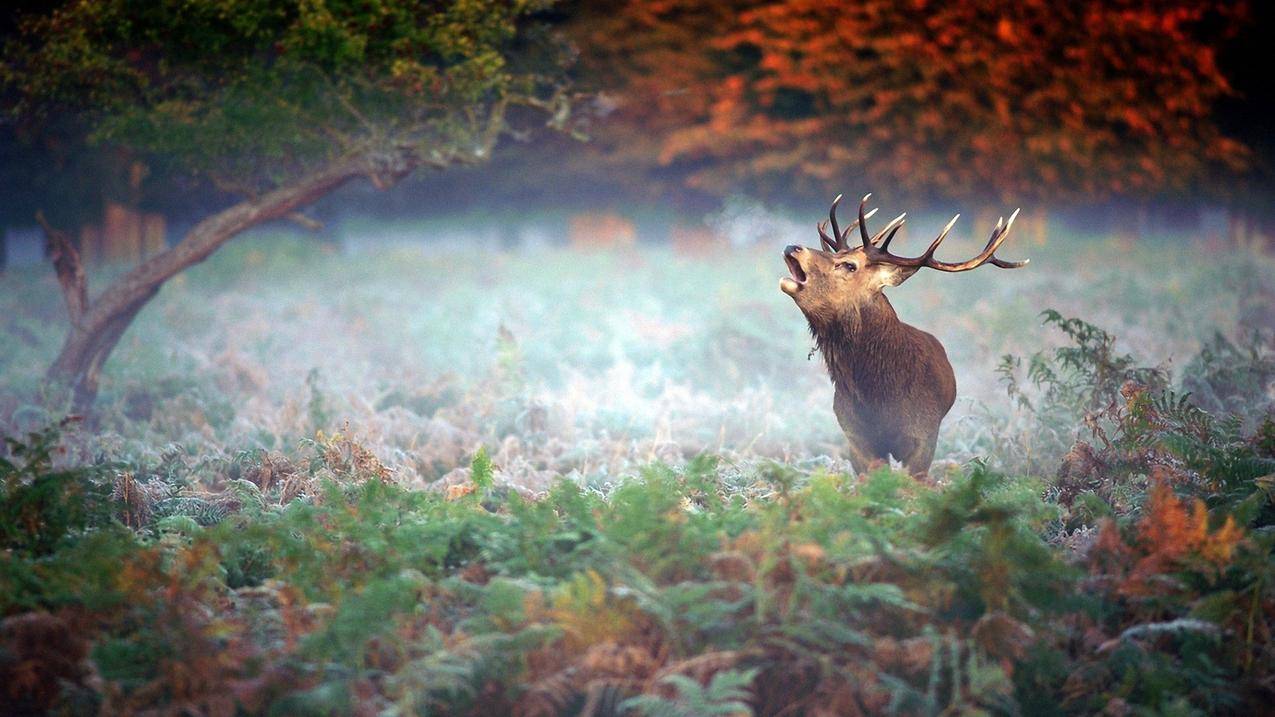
column 588, row 356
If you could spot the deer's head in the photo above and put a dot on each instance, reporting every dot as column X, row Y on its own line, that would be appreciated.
column 836, row 282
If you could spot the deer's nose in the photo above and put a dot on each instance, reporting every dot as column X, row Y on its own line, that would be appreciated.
column 792, row 249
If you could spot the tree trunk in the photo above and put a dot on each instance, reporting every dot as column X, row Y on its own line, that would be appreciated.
column 154, row 237
column 125, row 235
column 97, row 327
column 1244, row 228
column 601, row 230
column 1035, row 226
column 79, row 364
column 121, row 234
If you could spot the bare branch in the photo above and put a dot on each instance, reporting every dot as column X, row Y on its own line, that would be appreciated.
column 305, row 222
column 68, row 267
column 216, row 230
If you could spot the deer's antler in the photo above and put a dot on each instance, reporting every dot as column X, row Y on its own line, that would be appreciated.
column 877, row 247
column 837, row 242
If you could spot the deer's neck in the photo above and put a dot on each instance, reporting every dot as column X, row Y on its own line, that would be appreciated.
column 863, row 343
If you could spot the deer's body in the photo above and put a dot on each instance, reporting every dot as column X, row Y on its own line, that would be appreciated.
column 892, row 382
column 892, row 386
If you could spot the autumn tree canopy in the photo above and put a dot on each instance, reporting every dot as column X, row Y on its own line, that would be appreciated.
column 983, row 98
column 252, row 93
column 273, row 102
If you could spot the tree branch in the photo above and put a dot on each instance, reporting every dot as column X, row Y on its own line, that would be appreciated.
column 68, row 267
column 305, row 222
column 207, row 236
column 97, row 327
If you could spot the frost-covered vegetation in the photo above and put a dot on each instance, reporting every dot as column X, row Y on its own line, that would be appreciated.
column 586, row 364
column 441, row 480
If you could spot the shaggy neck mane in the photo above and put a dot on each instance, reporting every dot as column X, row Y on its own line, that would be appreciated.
column 858, row 345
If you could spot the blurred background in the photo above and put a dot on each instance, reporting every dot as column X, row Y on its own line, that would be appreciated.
column 605, row 294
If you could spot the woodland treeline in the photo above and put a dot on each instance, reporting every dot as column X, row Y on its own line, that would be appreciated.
column 227, row 115
column 686, row 101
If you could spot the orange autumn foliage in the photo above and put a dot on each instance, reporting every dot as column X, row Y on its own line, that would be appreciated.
column 985, row 98
column 1170, row 537
column 1169, row 531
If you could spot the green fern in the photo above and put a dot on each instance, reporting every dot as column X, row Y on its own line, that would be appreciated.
column 727, row 693
column 41, row 504
column 482, row 473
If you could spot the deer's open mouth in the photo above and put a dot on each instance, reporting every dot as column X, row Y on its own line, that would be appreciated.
column 791, row 285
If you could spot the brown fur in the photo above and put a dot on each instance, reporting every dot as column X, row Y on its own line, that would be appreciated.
column 893, row 382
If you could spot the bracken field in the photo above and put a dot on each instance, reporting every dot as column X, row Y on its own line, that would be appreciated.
column 392, row 477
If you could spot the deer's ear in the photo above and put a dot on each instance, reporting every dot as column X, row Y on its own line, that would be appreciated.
column 895, row 275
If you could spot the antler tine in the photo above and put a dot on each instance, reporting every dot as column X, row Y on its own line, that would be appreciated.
column 994, row 261
column 827, row 241
column 934, row 245
column 837, row 242
column 997, row 232
column 863, row 222
column 836, row 230
column 846, row 232
column 893, row 224
column 987, row 256
column 885, row 245
column 1008, row 264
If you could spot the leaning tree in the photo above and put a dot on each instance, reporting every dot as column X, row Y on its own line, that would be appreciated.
column 274, row 103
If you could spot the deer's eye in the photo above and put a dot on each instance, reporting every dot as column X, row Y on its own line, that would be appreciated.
column 847, row 266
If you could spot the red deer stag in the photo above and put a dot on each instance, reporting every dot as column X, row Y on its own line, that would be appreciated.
column 893, row 382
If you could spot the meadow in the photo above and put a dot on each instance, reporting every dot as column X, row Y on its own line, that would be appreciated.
column 428, row 477
column 583, row 364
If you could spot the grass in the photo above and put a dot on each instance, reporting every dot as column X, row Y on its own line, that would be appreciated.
column 618, row 358
column 442, row 480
